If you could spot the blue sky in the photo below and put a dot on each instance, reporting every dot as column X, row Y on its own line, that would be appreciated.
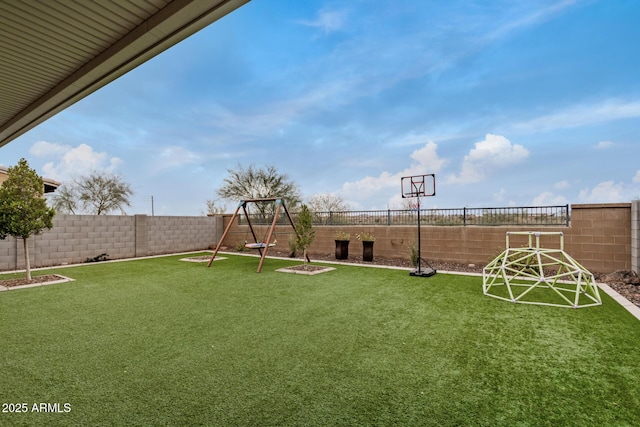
column 508, row 103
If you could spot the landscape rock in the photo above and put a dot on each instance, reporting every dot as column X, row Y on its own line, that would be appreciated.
column 622, row 276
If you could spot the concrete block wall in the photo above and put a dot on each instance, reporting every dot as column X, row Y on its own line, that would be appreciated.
column 74, row 238
column 599, row 237
column 464, row 245
column 180, row 234
column 602, row 237
column 635, row 236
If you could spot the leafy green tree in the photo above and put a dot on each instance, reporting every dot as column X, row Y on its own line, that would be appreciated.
column 23, row 209
column 305, row 232
column 260, row 183
column 98, row 193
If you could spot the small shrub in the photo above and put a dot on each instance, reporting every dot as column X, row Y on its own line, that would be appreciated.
column 413, row 254
column 305, row 232
column 343, row 235
column 293, row 245
column 365, row 237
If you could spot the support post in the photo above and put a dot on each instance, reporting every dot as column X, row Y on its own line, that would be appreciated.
column 263, row 253
column 270, row 234
column 226, row 230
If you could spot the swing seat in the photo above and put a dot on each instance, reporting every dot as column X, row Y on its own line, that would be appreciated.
column 258, row 245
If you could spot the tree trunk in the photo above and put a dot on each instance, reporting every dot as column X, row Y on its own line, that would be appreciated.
column 27, row 266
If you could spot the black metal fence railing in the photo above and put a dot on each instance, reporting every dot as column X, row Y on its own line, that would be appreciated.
column 529, row 215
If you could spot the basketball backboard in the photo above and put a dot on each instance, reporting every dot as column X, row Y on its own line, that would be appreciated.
column 418, row 186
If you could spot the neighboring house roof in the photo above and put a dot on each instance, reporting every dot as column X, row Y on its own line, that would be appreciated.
column 50, row 185
column 54, row 53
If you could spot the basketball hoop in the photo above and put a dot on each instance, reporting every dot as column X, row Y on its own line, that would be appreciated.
column 419, row 186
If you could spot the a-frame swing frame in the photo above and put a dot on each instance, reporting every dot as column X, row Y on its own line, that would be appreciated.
column 263, row 250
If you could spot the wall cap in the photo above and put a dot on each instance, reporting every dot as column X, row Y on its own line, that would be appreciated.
column 601, row 206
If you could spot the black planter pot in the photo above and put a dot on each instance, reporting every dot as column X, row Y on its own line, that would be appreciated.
column 342, row 249
column 367, row 251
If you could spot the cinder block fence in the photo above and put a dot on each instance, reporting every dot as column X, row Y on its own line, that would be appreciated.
column 74, row 238
column 602, row 237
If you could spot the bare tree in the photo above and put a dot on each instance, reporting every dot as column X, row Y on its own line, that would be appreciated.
column 65, row 199
column 259, row 183
column 99, row 193
column 327, row 202
column 322, row 204
column 214, row 208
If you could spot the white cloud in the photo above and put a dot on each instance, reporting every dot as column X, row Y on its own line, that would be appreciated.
column 175, row 156
column 71, row 161
column 327, row 20
column 604, row 192
column 44, row 148
column 581, row 115
column 529, row 19
column 425, row 160
column 562, row 185
column 271, row 117
column 612, row 192
column 548, row 198
column 495, row 151
column 499, row 197
column 603, row 145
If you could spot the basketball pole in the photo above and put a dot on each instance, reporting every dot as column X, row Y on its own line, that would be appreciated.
column 417, row 188
column 428, row 272
column 419, row 240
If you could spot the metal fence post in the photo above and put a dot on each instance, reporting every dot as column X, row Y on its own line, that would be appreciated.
column 464, row 216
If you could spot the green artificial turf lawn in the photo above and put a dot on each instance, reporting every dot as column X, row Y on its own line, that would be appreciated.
column 164, row 342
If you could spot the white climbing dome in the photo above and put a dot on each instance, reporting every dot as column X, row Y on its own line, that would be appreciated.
column 536, row 275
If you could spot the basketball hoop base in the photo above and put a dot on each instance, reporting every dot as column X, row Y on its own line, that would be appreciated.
column 427, row 272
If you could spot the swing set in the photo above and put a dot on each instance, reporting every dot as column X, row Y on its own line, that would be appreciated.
column 261, row 245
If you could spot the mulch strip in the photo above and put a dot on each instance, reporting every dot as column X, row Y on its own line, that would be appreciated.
column 41, row 280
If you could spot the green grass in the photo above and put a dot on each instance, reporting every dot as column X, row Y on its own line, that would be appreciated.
column 163, row 342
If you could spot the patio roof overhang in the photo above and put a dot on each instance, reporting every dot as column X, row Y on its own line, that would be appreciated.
column 53, row 54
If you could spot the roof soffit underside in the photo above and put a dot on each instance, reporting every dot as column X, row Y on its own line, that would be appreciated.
column 31, row 90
